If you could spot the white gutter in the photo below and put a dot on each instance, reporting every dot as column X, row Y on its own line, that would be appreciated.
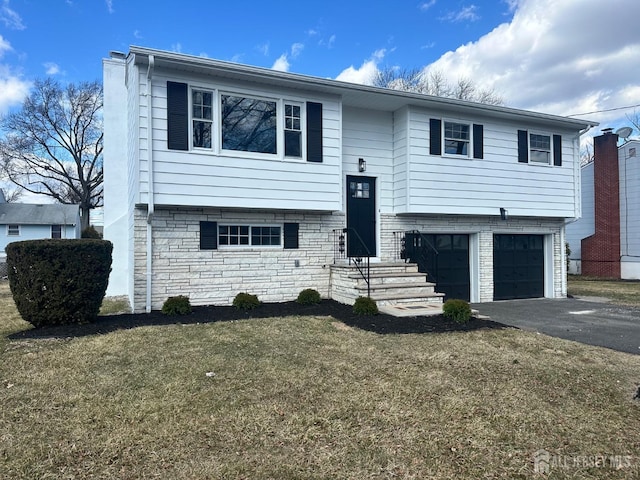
column 150, row 205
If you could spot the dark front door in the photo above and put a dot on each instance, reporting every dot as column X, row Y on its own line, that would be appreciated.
column 518, row 266
column 445, row 260
column 361, row 216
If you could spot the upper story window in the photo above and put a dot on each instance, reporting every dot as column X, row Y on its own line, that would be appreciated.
column 13, row 230
column 457, row 137
column 248, row 124
column 202, row 115
column 56, row 231
column 539, row 148
column 222, row 122
column 292, row 130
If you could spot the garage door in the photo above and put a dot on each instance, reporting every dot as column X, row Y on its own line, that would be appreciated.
column 518, row 266
column 445, row 260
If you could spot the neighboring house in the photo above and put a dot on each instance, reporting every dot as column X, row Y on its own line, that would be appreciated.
column 24, row 221
column 222, row 178
column 605, row 242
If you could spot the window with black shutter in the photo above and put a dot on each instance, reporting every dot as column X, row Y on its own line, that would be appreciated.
column 177, row 116
column 208, row 235
column 314, row 132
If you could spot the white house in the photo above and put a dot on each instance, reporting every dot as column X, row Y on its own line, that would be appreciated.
column 222, row 178
column 25, row 221
column 606, row 240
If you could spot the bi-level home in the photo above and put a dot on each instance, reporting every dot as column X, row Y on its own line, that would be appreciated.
column 223, row 178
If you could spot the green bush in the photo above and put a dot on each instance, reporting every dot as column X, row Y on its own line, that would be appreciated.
column 246, row 301
column 457, row 310
column 309, row 296
column 55, row 282
column 365, row 306
column 179, row 305
column 90, row 232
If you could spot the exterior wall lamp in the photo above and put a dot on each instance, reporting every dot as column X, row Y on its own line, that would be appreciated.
column 362, row 165
column 504, row 214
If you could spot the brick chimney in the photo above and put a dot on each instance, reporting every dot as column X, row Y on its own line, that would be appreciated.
column 601, row 251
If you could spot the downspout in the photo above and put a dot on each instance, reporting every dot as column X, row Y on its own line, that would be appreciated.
column 150, row 204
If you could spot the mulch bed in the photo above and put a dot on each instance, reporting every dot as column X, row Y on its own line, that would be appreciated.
column 382, row 324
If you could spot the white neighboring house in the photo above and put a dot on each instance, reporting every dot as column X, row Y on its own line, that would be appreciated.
column 610, row 191
column 25, row 221
column 222, row 178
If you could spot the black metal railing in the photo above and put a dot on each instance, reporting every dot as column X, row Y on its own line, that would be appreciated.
column 413, row 246
column 345, row 238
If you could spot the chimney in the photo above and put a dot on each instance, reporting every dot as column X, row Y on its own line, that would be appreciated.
column 601, row 251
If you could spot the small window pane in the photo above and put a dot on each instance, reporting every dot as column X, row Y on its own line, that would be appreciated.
column 201, row 134
column 292, row 143
column 56, row 231
column 13, row 230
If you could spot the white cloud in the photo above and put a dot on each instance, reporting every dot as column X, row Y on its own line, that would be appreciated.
column 281, row 64
column 176, row 47
column 427, row 5
column 5, row 46
column 557, row 57
column 10, row 18
column 137, row 34
column 13, row 89
column 52, row 68
column 263, row 49
column 467, row 13
column 296, row 49
column 366, row 73
column 109, row 5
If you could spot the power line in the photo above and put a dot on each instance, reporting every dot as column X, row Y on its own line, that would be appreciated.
column 606, row 110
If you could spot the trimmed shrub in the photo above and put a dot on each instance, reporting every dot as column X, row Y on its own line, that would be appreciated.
column 246, row 301
column 56, row 282
column 309, row 296
column 457, row 310
column 179, row 305
column 365, row 306
column 90, row 232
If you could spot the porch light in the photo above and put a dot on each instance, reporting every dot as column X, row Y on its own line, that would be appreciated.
column 362, row 165
column 504, row 214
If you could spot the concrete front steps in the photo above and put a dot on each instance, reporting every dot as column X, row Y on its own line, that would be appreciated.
column 393, row 284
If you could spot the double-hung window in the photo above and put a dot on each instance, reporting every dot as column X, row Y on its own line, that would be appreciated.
column 457, row 137
column 56, row 231
column 292, row 130
column 13, row 230
column 539, row 148
column 202, row 115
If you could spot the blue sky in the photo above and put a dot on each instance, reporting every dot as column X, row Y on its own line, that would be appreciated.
column 556, row 56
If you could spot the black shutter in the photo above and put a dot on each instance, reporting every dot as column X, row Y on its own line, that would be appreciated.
column 177, row 116
column 314, row 132
column 435, row 126
column 523, row 146
column 478, row 141
column 208, row 235
column 557, row 150
column 291, row 235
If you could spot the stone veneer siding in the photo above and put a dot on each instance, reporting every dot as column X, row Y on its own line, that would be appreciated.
column 217, row 276
column 484, row 228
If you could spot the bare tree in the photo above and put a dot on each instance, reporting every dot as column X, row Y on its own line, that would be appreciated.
column 434, row 83
column 634, row 118
column 53, row 144
column 586, row 154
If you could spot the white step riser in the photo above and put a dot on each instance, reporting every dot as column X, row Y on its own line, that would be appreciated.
column 418, row 291
column 400, row 301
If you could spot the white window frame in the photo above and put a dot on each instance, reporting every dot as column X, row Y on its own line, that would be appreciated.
column 469, row 125
column 251, row 226
column 192, row 118
column 9, row 234
column 530, row 148
column 302, row 130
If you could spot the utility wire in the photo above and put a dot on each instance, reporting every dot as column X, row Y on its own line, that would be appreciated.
column 603, row 111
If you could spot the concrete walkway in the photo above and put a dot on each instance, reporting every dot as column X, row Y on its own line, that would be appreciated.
column 588, row 320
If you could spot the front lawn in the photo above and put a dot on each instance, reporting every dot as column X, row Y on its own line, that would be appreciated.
column 311, row 398
column 623, row 292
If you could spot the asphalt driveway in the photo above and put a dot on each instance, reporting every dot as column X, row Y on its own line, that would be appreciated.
column 582, row 320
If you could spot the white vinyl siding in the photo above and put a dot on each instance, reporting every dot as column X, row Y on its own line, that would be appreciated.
column 483, row 186
column 235, row 178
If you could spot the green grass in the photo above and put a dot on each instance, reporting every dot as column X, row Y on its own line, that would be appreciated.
column 310, row 398
column 623, row 292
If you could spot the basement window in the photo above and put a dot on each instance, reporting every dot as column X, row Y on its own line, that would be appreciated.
column 249, row 235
